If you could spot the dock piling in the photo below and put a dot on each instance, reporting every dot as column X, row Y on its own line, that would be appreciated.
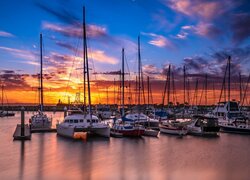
column 22, row 121
column 65, row 111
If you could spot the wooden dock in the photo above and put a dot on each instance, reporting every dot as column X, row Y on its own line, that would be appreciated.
column 18, row 135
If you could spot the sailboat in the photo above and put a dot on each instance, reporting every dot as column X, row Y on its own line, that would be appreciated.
column 40, row 119
column 120, row 127
column 233, row 120
column 171, row 127
column 80, row 121
column 148, row 130
column 139, row 117
column 4, row 113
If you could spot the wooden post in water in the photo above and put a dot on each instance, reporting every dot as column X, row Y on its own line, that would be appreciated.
column 22, row 121
column 65, row 111
column 22, row 131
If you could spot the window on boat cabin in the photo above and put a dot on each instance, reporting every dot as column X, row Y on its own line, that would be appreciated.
column 220, row 114
column 88, row 121
column 66, row 121
column 76, row 121
column 198, row 123
column 233, row 106
column 81, row 120
column 71, row 121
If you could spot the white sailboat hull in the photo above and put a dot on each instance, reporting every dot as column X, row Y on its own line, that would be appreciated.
column 66, row 131
column 173, row 132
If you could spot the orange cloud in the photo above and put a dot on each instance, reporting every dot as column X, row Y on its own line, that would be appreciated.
column 101, row 57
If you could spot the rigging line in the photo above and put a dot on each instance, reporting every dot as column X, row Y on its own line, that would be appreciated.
column 194, row 101
column 129, row 78
column 6, row 98
column 94, row 71
column 245, row 90
column 223, row 86
column 202, row 93
column 71, row 70
column 174, row 89
column 43, row 53
column 125, row 57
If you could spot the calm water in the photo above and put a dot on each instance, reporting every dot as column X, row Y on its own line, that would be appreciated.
column 48, row 156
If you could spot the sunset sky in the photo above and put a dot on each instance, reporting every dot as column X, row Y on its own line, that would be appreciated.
column 199, row 34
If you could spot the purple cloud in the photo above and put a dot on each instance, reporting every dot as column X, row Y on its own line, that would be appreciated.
column 240, row 25
column 5, row 34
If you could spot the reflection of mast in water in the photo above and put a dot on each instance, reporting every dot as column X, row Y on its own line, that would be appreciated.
column 40, row 154
column 86, row 161
column 22, row 158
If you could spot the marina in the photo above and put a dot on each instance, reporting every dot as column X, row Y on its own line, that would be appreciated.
column 128, row 90
column 47, row 156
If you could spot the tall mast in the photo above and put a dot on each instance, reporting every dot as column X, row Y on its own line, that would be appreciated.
column 136, row 89
column 148, row 90
column 130, row 95
column 2, row 97
column 41, row 73
column 173, row 88
column 214, row 93
column 122, row 81
column 119, row 89
column 240, row 88
column 169, row 69
column 139, row 72
column 188, row 91
column 184, row 84
column 229, row 69
column 114, row 91
column 107, row 90
column 196, row 92
column 86, row 62
column 206, row 90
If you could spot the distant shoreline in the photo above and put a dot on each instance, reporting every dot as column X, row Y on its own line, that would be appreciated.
column 60, row 107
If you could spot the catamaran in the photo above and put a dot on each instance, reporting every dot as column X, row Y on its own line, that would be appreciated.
column 80, row 120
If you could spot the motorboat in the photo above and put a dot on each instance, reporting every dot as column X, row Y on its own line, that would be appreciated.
column 173, row 128
column 237, row 126
column 222, row 112
column 151, row 132
column 204, row 126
